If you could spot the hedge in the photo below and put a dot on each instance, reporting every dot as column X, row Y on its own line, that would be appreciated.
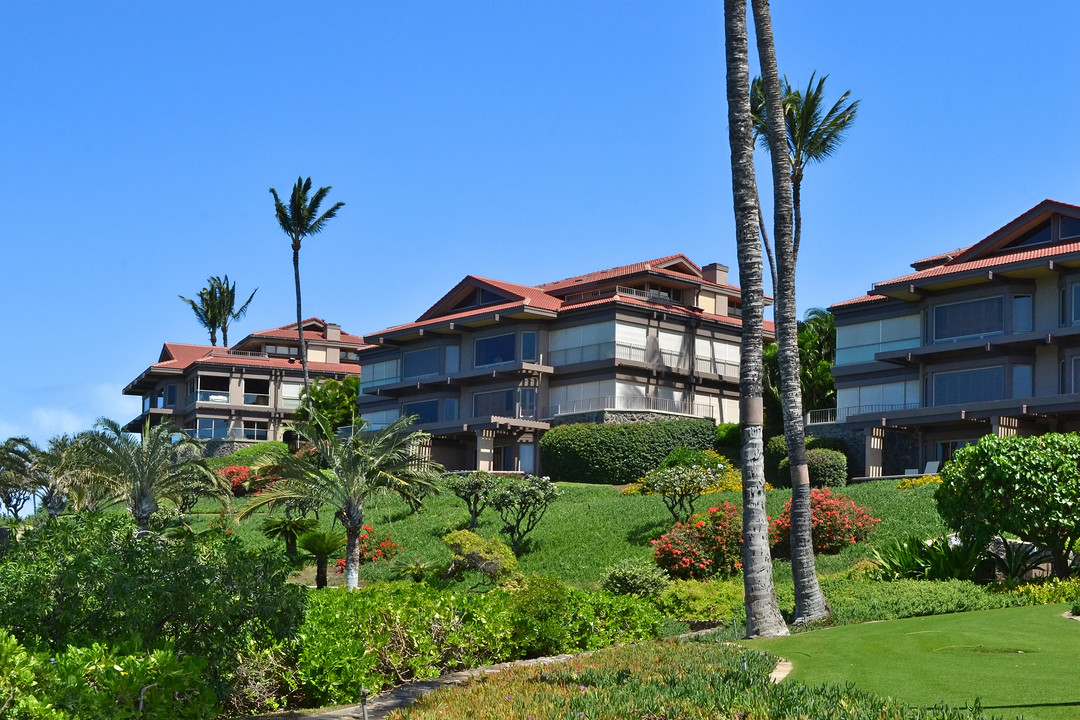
column 827, row 468
column 618, row 454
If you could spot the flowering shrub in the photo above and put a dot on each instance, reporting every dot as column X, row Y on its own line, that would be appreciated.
column 238, row 476
column 836, row 522
column 707, row 544
column 916, row 482
column 373, row 548
column 723, row 478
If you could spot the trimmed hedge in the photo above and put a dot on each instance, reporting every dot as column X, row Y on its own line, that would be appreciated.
column 828, row 468
column 729, row 441
column 618, row 454
column 776, row 466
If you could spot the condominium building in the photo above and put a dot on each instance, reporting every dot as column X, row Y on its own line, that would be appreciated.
column 246, row 392
column 493, row 364
column 981, row 339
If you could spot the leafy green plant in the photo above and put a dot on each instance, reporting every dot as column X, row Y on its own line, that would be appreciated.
column 318, row 547
column 703, row 600
column 521, row 504
column 918, row 560
column 1026, row 486
column 827, row 468
column 288, row 529
column 836, row 521
column 618, row 454
column 1017, row 559
column 475, row 488
column 680, row 487
column 728, row 439
column 491, row 558
column 635, row 577
column 705, row 545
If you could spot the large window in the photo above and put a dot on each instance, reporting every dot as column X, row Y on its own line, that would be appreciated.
column 211, row 429
column 256, row 392
column 970, row 319
column 290, row 395
column 420, row 363
column 859, row 342
column 1022, row 381
column 494, row 350
column 500, row 402
column 379, row 373
column 969, row 386
column 286, row 350
column 528, row 403
column 877, row 398
column 1022, row 318
column 379, row 419
column 453, row 359
column 255, row 430
column 426, row 411
column 528, row 346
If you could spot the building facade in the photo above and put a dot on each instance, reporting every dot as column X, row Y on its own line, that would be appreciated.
column 982, row 339
column 492, row 365
column 244, row 393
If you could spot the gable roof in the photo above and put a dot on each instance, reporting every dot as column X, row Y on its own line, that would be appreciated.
column 662, row 265
column 314, row 325
column 526, row 294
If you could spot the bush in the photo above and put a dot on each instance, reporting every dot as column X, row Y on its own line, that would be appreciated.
column 917, row 560
column 390, row 633
column 679, row 487
column 775, row 451
column 827, row 468
column 1027, row 486
column 521, row 504
column 705, row 545
column 469, row 551
column 918, row 482
column 864, row 600
column 248, row 455
column 93, row 576
column 476, row 489
column 728, row 440
column 635, row 577
column 836, row 522
column 618, row 454
column 703, row 600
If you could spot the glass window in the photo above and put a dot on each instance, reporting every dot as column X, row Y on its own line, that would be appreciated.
column 1070, row 228
column 286, row 350
column 380, row 373
column 1063, row 309
column 968, row 386
column 453, row 359
column 528, row 346
column 528, row 403
column 1021, row 381
column 211, row 429
column 426, row 411
column 1022, row 313
column 527, row 457
column 1075, row 304
column 255, row 430
column 450, row 408
column 971, row 319
column 379, row 419
column 420, row 363
column 290, row 395
column 500, row 402
column 494, row 350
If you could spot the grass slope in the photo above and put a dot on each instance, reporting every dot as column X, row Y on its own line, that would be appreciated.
column 1016, row 661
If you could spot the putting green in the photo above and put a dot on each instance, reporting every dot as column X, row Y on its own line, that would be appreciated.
column 1017, row 661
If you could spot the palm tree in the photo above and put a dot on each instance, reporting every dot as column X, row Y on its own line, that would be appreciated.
column 763, row 616
column 207, row 311
column 810, row 603
column 62, row 473
column 289, row 529
column 346, row 472
column 164, row 463
column 299, row 219
column 226, row 299
column 319, row 546
column 17, row 482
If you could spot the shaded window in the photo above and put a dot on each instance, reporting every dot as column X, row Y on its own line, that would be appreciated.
column 500, row 402
column 1035, row 236
column 450, row 408
column 420, row 363
column 453, row 359
column 1021, row 381
column 255, row 430
column 971, row 319
column 494, row 350
column 528, row 346
column 528, row 403
column 478, row 297
column 968, row 386
column 426, row 411
column 1022, row 313
column 256, row 392
column 1070, row 228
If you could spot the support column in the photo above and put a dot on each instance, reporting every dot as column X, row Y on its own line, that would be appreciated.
column 485, row 451
column 875, row 445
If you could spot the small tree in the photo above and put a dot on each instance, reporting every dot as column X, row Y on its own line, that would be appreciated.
column 475, row 489
column 1027, row 486
column 288, row 529
column 521, row 504
column 680, row 487
column 319, row 546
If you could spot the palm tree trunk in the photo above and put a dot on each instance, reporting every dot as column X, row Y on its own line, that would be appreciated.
column 299, row 315
column 796, row 204
column 763, row 618
column 352, row 556
column 320, row 572
column 765, row 240
column 810, row 603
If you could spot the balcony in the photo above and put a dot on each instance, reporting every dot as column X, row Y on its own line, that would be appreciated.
column 722, row 368
column 825, row 416
column 598, row 351
column 220, row 397
column 257, row 399
column 650, row 404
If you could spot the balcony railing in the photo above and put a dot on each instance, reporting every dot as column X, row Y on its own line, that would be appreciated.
column 609, row 402
column 716, row 367
column 223, row 352
column 598, row 351
column 210, row 396
column 831, row 415
column 256, row 399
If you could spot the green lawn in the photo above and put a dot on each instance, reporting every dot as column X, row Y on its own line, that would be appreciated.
column 1017, row 661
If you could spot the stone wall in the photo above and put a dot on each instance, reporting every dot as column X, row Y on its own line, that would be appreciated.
column 854, row 440
column 616, row 417
column 900, row 452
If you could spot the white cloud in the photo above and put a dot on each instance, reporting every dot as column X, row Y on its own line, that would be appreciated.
column 43, row 412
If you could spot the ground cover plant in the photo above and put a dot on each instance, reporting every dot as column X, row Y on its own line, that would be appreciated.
column 1011, row 659
column 659, row 681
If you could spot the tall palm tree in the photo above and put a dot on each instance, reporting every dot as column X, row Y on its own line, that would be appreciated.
column 17, row 481
column 346, row 472
column 810, row 602
column 207, row 311
column 299, row 219
column 164, row 463
column 226, row 299
column 763, row 616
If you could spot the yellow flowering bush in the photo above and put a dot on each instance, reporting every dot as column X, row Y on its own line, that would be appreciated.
column 917, row 482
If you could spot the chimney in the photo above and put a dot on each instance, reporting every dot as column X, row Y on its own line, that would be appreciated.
column 715, row 273
column 333, row 332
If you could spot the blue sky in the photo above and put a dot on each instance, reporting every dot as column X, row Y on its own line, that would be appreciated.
column 527, row 141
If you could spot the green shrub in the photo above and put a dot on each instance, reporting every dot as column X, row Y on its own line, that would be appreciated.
column 683, row 456
column 856, row 600
column 475, row 488
column 827, row 468
column 248, row 455
column 390, row 633
column 491, row 558
column 618, row 454
column 635, row 577
column 679, row 487
column 836, row 521
column 521, row 504
column 703, row 600
column 775, row 451
column 706, row 544
column 1043, row 592
column 728, row 440
column 917, row 560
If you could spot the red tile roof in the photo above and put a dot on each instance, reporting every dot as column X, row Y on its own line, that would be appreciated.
column 182, row 356
column 994, row 261
column 534, row 295
column 862, row 299
column 288, row 332
column 621, row 271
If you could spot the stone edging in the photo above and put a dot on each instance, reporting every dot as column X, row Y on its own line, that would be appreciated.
column 382, row 705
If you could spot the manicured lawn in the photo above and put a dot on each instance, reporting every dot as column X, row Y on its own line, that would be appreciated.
column 1016, row 661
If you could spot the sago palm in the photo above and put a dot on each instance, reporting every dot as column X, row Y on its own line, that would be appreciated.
column 299, row 219
column 163, row 463
column 287, row 529
column 320, row 546
column 346, row 472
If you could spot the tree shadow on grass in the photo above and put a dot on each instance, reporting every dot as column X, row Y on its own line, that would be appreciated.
column 645, row 532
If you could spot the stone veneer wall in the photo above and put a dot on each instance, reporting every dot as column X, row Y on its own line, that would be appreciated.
column 854, row 440
column 615, row 417
column 900, row 452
